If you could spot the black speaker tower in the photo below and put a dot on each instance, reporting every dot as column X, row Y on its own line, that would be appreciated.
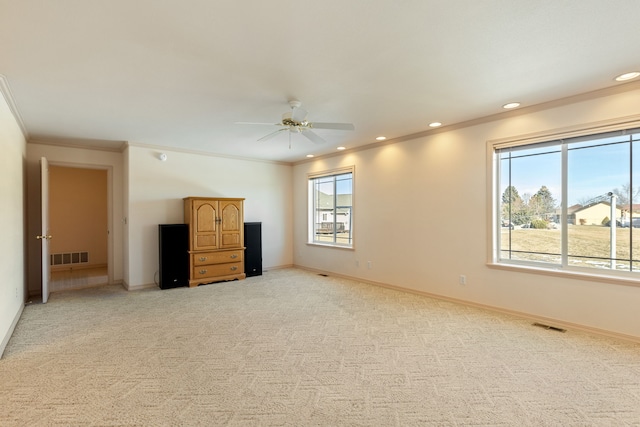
column 253, row 251
column 174, row 255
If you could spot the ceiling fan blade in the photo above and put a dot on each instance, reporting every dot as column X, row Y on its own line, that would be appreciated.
column 271, row 135
column 257, row 123
column 298, row 114
column 313, row 137
column 336, row 126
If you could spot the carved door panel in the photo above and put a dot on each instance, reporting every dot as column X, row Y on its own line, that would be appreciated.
column 205, row 225
column 231, row 224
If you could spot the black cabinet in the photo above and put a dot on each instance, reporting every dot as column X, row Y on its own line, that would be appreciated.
column 174, row 255
column 253, row 251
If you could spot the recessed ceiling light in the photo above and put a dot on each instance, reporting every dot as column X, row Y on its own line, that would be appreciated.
column 511, row 105
column 381, row 138
column 309, row 155
column 628, row 76
column 435, row 124
column 341, row 148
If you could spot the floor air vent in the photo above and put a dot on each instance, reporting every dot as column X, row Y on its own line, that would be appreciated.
column 553, row 328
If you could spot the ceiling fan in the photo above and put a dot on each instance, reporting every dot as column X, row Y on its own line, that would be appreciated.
column 295, row 121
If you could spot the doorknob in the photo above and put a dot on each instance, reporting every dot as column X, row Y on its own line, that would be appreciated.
column 44, row 237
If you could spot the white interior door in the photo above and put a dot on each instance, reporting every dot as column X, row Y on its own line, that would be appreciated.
column 44, row 236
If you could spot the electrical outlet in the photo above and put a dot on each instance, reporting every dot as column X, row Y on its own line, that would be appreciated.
column 369, row 265
column 463, row 279
column 357, row 263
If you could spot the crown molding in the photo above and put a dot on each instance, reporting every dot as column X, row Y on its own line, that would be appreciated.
column 162, row 148
column 574, row 99
column 83, row 143
column 6, row 92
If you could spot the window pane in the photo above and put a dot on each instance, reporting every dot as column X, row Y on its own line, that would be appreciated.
column 602, row 200
column 324, row 205
column 633, row 211
column 530, row 191
column 332, row 206
column 596, row 170
column 344, row 186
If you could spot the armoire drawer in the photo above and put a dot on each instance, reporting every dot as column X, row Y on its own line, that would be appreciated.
column 214, row 270
column 218, row 257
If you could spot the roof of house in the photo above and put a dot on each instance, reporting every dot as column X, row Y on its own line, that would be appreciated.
column 325, row 201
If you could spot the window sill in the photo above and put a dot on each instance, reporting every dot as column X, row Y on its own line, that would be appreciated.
column 328, row 245
column 603, row 278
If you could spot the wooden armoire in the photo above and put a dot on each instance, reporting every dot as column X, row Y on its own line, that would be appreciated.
column 216, row 239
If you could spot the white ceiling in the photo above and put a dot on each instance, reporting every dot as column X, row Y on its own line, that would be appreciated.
column 180, row 73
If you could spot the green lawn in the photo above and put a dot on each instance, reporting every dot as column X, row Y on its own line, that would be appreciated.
column 583, row 241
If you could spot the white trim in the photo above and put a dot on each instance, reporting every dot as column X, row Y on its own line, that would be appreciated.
column 331, row 172
column 555, row 270
column 7, row 337
column 592, row 128
column 110, row 202
column 113, row 146
column 493, row 183
column 161, row 148
column 140, row 287
column 310, row 205
column 8, row 96
column 573, row 99
column 521, row 314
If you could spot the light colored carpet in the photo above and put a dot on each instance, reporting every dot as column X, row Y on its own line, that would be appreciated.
column 295, row 348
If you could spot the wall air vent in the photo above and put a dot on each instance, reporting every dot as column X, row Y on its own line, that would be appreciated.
column 70, row 258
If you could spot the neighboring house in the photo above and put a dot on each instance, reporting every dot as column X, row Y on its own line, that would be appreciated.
column 571, row 214
column 325, row 216
column 594, row 213
column 630, row 214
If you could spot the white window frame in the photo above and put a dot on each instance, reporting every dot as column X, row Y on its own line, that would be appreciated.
column 311, row 206
column 494, row 198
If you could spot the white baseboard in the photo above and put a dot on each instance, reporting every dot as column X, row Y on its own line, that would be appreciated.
column 277, row 267
column 7, row 337
column 138, row 287
column 535, row 318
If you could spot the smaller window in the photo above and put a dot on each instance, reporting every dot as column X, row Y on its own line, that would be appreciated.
column 331, row 208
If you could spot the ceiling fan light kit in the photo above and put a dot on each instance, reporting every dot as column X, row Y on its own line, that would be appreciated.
column 295, row 121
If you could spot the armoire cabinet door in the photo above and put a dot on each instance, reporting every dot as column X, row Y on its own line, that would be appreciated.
column 205, row 226
column 231, row 227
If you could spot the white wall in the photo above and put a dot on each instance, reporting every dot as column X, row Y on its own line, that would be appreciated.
column 155, row 191
column 12, row 200
column 420, row 217
column 75, row 157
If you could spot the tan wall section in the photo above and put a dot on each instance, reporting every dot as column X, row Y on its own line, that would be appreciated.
column 78, row 212
column 437, row 185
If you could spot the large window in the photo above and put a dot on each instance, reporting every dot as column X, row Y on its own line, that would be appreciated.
column 570, row 204
column 331, row 208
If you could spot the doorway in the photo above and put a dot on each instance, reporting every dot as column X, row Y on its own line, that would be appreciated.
column 78, row 216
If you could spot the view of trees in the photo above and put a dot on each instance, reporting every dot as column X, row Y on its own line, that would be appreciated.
column 542, row 206
column 623, row 195
column 525, row 209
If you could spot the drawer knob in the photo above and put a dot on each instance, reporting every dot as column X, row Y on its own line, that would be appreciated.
column 234, row 268
column 234, row 256
column 203, row 258
column 203, row 271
